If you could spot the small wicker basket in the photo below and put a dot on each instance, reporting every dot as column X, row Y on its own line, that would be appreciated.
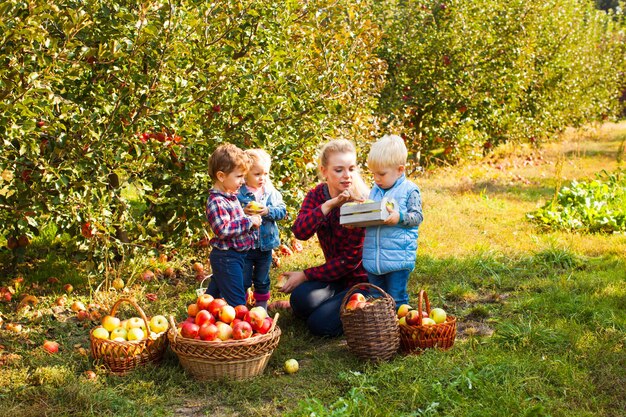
column 372, row 330
column 121, row 357
column 414, row 339
column 230, row 359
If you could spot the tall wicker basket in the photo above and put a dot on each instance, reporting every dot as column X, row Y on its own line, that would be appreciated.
column 372, row 330
column 121, row 357
column 414, row 339
column 230, row 359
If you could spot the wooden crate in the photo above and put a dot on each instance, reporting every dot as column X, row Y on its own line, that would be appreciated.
column 365, row 214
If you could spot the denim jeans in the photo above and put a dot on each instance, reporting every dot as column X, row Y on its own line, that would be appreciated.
column 393, row 283
column 256, row 270
column 319, row 303
column 227, row 280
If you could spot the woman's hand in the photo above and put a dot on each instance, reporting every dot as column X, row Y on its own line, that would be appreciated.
column 294, row 278
column 338, row 201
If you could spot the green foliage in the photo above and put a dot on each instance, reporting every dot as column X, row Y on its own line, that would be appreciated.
column 467, row 75
column 109, row 110
column 597, row 206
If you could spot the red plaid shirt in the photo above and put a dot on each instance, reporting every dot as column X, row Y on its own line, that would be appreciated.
column 232, row 228
column 342, row 247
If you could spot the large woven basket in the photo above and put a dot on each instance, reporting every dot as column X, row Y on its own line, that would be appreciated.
column 372, row 330
column 121, row 357
column 230, row 359
column 414, row 339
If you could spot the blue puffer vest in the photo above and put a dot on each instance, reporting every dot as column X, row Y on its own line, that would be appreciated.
column 268, row 234
column 391, row 248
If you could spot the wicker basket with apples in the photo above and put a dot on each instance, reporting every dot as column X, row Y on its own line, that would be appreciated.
column 370, row 324
column 425, row 328
column 122, row 345
column 218, row 340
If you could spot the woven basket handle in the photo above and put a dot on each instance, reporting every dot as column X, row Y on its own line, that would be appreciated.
column 274, row 322
column 173, row 327
column 421, row 298
column 134, row 304
column 362, row 286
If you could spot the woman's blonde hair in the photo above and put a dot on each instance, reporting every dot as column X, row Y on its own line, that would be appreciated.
column 358, row 188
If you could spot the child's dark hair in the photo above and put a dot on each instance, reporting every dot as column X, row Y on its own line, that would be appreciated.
column 227, row 158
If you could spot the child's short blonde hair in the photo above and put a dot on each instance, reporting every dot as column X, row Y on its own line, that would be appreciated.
column 259, row 156
column 387, row 152
column 227, row 158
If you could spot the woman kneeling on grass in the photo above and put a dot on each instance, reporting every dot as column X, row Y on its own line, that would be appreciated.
column 317, row 292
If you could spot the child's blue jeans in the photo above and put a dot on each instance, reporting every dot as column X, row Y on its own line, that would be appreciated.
column 227, row 280
column 257, row 270
column 394, row 283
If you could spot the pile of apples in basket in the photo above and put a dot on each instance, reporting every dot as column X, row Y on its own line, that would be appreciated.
column 213, row 319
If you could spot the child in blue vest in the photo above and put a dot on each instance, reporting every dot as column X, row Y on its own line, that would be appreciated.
column 389, row 250
column 258, row 196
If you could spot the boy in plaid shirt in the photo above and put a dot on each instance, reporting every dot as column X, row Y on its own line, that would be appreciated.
column 234, row 232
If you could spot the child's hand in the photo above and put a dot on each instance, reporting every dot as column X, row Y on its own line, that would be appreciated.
column 394, row 217
column 256, row 220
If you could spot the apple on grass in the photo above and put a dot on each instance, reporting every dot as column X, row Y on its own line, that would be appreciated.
column 50, row 346
column 158, row 324
column 110, row 322
column 291, row 366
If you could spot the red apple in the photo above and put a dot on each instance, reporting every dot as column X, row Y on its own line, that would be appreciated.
column 227, row 314
column 256, row 317
column 208, row 331
column 265, row 326
column 358, row 297
column 240, row 311
column 216, row 305
column 204, row 317
column 68, row 288
column 147, row 275
column 198, row 267
column 413, row 318
column 189, row 330
column 352, row 305
column 51, row 347
column 242, row 330
column 192, row 309
column 204, row 301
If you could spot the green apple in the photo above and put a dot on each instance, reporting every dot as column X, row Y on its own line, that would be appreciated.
column 118, row 332
column 428, row 321
column 158, row 324
column 438, row 315
column 100, row 333
column 136, row 333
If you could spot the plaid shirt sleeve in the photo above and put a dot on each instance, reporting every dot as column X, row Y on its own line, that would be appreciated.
column 342, row 247
column 221, row 221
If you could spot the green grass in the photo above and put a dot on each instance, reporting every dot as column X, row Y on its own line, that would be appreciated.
column 542, row 316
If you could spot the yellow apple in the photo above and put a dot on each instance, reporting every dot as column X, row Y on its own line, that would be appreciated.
column 403, row 310
column 118, row 283
column 438, row 315
column 110, row 322
column 427, row 321
column 158, row 324
column 291, row 366
column 135, row 323
column 118, row 332
column 100, row 333
column 136, row 333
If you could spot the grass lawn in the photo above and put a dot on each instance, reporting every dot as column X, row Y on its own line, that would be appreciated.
column 542, row 316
